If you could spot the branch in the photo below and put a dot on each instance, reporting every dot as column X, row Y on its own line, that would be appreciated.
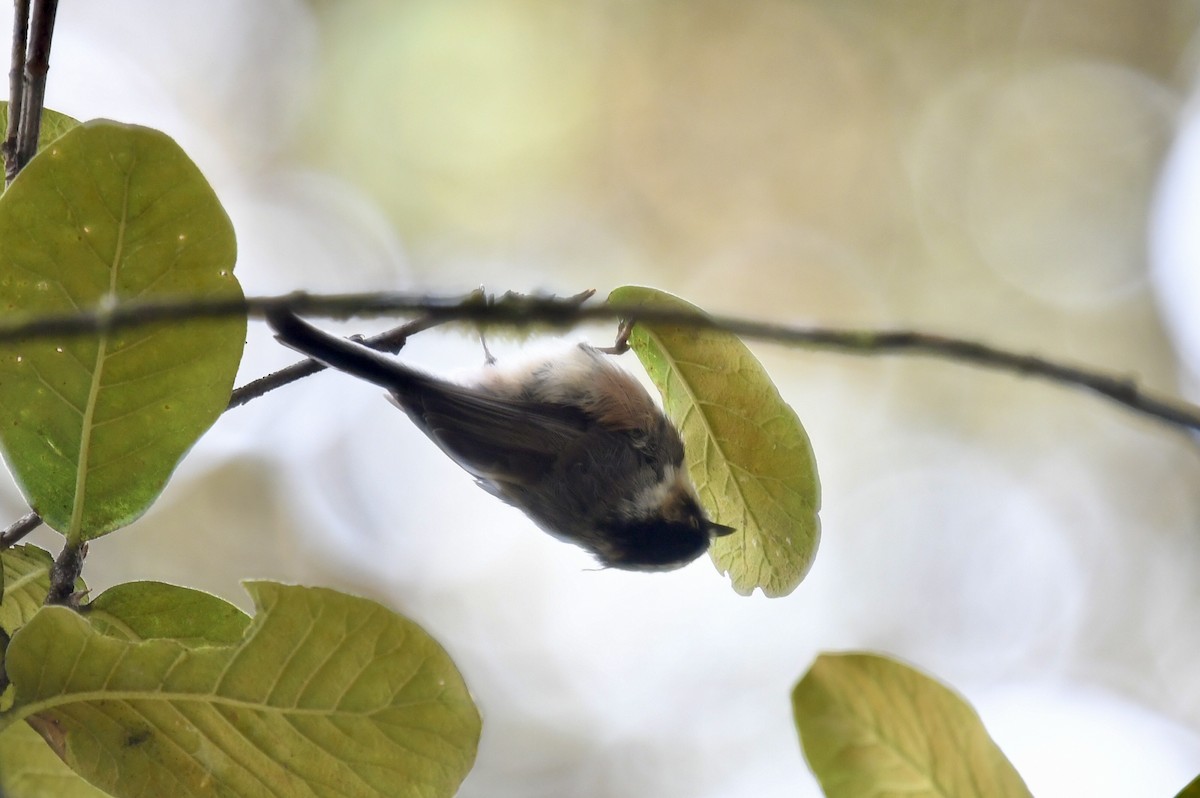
column 391, row 341
column 37, row 66
column 523, row 311
column 64, row 573
column 19, row 529
column 16, row 87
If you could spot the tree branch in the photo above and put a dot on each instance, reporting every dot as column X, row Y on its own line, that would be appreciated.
column 516, row 310
column 37, row 66
column 19, row 529
column 390, row 341
column 65, row 571
column 16, row 87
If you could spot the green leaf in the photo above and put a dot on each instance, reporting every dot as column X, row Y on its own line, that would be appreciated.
column 871, row 726
column 747, row 452
column 325, row 695
column 26, row 578
column 92, row 427
column 30, row 769
column 54, row 124
column 152, row 610
column 26, row 584
column 1192, row 790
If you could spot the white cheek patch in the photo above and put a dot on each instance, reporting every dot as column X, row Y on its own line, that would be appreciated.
column 673, row 483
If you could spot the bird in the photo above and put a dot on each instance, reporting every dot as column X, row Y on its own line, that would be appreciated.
column 570, row 439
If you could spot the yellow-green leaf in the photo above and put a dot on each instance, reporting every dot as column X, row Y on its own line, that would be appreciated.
column 93, row 426
column 747, row 452
column 873, row 727
column 26, row 578
column 150, row 610
column 26, row 584
column 30, row 769
column 325, row 695
column 53, row 125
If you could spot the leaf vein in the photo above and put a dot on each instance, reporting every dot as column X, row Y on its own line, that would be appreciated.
column 78, row 410
column 164, row 733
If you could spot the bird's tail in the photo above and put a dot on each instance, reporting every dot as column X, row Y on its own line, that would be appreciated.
column 342, row 354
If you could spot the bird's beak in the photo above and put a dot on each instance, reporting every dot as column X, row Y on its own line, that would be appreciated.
column 720, row 530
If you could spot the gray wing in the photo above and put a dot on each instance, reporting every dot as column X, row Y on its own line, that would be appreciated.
column 498, row 440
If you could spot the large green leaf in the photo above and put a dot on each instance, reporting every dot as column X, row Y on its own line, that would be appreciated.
column 92, row 427
column 53, row 125
column 30, row 769
column 747, row 452
column 873, row 727
column 325, row 695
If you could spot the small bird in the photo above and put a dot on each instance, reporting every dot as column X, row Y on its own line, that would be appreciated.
column 573, row 441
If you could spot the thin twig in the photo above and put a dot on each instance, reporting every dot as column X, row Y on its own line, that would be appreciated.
column 19, row 529
column 525, row 311
column 16, row 87
column 37, row 66
column 1123, row 390
column 521, row 311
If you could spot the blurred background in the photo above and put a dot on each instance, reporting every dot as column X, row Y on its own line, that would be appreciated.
column 1024, row 172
